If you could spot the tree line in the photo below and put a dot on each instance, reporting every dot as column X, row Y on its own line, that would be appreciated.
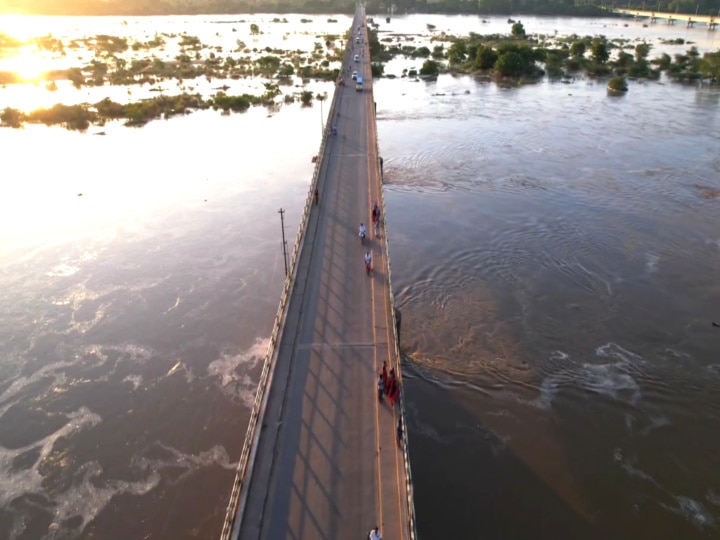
column 172, row 7
column 481, row 7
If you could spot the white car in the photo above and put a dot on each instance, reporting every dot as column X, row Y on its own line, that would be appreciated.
column 357, row 58
column 354, row 75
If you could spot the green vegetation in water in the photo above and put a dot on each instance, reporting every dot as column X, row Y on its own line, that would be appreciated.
column 691, row 67
column 522, row 58
column 195, row 60
column 430, row 68
column 139, row 113
column 617, row 85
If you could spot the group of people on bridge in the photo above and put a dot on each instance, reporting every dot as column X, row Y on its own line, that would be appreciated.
column 388, row 385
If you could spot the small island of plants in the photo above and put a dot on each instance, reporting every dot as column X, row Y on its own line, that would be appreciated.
column 518, row 58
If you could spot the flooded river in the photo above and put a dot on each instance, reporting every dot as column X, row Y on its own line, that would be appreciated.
column 554, row 252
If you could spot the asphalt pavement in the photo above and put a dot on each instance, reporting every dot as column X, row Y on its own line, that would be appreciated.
column 326, row 465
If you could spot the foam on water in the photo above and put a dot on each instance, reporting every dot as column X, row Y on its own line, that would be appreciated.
column 188, row 463
column 610, row 381
column 713, row 368
column 86, row 499
column 89, row 493
column 63, row 270
column 693, row 511
column 559, row 357
column 613, row 379
column 613, row 350
column 712, row 497
column 20, row 482
column 135, row 380
column 655, row 423
column 634, row 471
column 20, row 382
column 651, row 261
column 229, row 378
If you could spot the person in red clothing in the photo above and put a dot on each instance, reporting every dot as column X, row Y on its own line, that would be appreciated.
column 390, row 382
column 394, row 394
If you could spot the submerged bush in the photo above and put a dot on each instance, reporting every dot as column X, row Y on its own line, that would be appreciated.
column 75, row 117
column 11, row 117
column 306, row 98
column 617, row 84
column 231, row 103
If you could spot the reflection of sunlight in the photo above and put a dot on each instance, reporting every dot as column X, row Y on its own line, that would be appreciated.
column 67, row 187
column 22, row 27
column 28, row 64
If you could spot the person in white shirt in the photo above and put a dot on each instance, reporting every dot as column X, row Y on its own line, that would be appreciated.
column 368, row 262
column 362, row 232
column 375, row 534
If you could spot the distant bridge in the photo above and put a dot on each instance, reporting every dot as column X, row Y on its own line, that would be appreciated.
column 690, row 20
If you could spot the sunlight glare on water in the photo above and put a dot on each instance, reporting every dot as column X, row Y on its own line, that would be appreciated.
column 554, row 252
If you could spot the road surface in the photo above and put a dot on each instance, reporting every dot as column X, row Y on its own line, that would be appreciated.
column 327, row 465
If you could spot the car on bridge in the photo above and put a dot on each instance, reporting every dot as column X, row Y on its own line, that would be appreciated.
column 354, row 75
column 357, row 58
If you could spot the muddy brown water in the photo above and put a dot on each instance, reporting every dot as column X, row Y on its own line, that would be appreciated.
column 554, row 251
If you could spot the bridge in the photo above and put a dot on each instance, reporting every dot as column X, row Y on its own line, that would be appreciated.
column 322, row 458
column 689, row 19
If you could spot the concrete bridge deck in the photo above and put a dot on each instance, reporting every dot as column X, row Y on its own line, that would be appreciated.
column 325, row 463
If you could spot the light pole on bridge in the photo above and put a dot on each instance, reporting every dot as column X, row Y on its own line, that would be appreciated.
column 284, row 243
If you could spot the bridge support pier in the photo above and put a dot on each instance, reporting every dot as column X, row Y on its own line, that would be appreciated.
column 690, row 23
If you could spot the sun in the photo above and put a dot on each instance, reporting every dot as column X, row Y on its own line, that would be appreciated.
column 23, row 57
column 28, row 64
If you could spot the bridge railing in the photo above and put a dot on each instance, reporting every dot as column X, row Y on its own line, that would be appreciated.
column 412, row 523
column 409, row 486
column 251, row 435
